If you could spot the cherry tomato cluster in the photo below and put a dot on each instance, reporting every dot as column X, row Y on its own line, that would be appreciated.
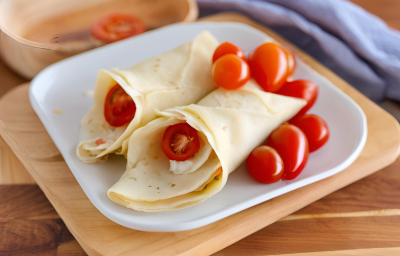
column 289, row 145
column 287, row 149
column 230, row 69
column 269, row 64
column 286, row 153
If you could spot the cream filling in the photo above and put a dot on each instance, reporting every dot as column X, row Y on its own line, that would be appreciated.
column 196, row 161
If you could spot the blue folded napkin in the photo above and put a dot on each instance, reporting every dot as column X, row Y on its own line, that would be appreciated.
column 356, row 45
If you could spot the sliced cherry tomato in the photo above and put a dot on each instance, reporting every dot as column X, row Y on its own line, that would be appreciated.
column 116, row 27
column 119, row 108
column 292, row 146
column 265, row 165
column 269, row 66
column 180, row 142
column 301, row 89
column 227, row 48
column 230, row 72
column 291, row 61
column 315, row 128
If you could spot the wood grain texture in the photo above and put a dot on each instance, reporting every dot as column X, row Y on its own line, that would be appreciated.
column 11, row 169
column 27, row 203
column 32, row 226
column 98, row 235
column 364, row 252
column 8, row 79
column 376, row 192
column 357, row 196
column 388, row 10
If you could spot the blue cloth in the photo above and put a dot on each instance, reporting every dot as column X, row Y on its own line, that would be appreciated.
column 353, row 43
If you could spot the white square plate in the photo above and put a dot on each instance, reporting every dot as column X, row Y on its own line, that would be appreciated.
column 62, row 86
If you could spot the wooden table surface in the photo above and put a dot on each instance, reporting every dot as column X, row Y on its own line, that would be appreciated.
column 360, row 219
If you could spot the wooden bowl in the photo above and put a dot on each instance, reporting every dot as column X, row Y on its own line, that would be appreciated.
column 30, row 28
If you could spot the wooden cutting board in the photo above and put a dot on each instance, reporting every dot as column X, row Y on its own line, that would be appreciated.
column 24, row 133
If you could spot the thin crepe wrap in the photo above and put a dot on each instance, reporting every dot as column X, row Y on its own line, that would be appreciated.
column 175, row 78
column 233, row 123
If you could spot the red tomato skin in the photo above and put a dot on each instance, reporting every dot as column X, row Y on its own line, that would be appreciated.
column 119, row 108
column 291, row 61
column 230, row 72
column 265, row 165
column 303, row 89
column 100, row 27
column 228, row 48
column 269, row 66
column 292, row 145
column 315, row 128
column 182, row 129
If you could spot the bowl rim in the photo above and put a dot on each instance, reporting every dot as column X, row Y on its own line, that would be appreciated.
column 191, row 15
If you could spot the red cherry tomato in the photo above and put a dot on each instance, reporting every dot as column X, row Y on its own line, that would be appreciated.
column 291, row 61
column 116, row 27
column 230, row 72
column 301, row 89
column 227, row 48
column 265, row 165
column 269, row 66
column 180, row 142
column 292, row 146
column 315, row 129
column 119, row 108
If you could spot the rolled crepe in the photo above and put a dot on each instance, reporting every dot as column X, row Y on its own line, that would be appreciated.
column 175, row 78
column 232, row 123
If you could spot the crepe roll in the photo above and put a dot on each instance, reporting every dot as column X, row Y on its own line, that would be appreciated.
column 228, row 124
column 125, row 99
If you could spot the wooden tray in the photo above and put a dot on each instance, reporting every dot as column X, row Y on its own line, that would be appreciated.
column 24, row 133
